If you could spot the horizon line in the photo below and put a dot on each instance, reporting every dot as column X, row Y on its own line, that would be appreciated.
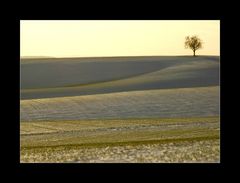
column 46, row 57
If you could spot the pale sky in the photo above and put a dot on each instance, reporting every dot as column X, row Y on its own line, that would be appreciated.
column 86, row 38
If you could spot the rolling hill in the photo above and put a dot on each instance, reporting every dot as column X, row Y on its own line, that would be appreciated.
column 46, row 78
column 120, row 109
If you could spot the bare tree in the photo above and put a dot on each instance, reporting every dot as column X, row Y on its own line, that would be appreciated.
column 194, row 43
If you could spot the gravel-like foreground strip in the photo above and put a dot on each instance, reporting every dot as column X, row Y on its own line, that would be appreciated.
column 132, row 140
column 207, row 151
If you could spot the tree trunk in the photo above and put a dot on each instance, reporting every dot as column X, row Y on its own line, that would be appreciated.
column 194, row 53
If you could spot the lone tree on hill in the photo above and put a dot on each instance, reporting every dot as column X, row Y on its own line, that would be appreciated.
column 194, row 43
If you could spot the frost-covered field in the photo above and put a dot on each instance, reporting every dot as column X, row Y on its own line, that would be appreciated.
column 186, row 102
column 122, row 109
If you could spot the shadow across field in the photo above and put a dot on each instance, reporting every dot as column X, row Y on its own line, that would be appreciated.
column 59, row 78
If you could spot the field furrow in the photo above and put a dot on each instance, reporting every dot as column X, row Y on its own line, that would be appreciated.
column 186, row 102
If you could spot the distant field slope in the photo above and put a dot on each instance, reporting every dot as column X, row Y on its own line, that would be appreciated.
column 45, row 78
column 184, row 102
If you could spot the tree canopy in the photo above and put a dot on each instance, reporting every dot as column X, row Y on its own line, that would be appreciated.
column 194, row 43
